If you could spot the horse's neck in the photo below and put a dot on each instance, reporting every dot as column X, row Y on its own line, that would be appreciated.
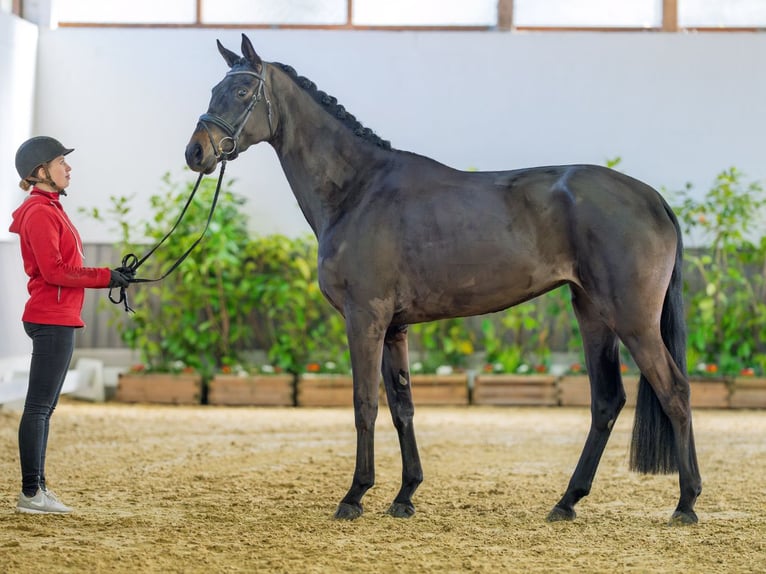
column 323, row 160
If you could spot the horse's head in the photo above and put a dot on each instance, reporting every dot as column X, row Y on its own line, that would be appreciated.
column 234, row 120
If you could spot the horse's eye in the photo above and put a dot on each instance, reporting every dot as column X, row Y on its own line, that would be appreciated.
column 242, row 92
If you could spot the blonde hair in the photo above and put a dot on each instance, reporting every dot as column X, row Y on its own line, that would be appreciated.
column 28, row 182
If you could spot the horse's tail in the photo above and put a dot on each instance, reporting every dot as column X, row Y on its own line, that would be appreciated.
column 653, row 447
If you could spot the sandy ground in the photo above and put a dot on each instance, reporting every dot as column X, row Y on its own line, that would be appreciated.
column 209, row 489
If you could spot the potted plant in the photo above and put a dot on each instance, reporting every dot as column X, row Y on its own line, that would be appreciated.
column 443, row 351
column 303, row 335
column 326, row 383
column 178, row 384
column 198, row 316
column 748, row 389
column 574, row 385
column 726, row 291
column 263, row 385
column 517, row 345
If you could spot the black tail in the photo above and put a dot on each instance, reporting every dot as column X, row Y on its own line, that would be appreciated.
column 653, row 447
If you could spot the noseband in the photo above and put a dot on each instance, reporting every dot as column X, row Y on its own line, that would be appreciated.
column 228, row 144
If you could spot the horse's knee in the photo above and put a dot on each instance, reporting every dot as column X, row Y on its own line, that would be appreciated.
column 365, row 415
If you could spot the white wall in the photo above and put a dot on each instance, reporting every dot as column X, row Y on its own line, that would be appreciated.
column 18, row 63
column 676, row 107
column 18, row 58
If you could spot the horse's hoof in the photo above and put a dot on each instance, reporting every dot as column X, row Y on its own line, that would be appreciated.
column 559, row 514
column 681, row 518
column 401, row 510
column 348, row 511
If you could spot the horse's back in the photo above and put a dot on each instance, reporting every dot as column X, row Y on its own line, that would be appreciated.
column 448, row 242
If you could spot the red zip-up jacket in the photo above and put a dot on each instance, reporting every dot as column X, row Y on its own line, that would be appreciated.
column 52, row 252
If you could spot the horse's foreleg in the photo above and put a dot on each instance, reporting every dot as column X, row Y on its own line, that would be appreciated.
column 366, row 347
column 607, row 399
column 396, row 378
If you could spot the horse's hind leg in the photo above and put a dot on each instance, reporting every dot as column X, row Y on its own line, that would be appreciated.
column 671, row 388
column 607, row 399
column 396, row 378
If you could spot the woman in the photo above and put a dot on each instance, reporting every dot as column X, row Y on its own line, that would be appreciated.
column 53, row 259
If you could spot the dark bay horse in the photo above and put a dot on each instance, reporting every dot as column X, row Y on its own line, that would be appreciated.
column 404, row 239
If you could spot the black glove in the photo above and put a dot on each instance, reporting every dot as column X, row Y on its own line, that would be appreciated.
column 119, row 279
column 128, row 272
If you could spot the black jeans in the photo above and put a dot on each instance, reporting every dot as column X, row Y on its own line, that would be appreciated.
column 52, row 348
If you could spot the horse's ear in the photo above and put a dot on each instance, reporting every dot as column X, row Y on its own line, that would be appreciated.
column 249, row 53
column 230, row 57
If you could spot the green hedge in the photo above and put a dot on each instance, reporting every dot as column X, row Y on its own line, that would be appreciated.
column 240, row 291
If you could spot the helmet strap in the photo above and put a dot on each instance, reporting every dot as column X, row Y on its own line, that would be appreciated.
column 48, row 180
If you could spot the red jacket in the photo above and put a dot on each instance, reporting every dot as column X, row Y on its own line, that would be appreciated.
column 52, row 252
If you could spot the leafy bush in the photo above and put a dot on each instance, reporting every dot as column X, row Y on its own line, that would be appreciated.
column 197, row 316
column 295, row 322
column 233, row 294
column 726, row 310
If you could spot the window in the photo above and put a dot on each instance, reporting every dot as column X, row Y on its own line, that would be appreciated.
column 717, row 14
column 424, row 13
column 127, row 12
column 402, row 14
column 317, row 12
column 587, row 13
column 8, row 6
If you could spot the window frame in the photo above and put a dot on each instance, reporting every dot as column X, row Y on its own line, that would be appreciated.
column 504, row 23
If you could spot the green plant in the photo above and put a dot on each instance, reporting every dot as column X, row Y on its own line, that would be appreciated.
column 297, row 324
column 445, row 343
column 527, row 334
column 726, row 309
column 197, row 316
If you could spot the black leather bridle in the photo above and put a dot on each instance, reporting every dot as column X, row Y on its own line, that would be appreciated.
column 228, row 144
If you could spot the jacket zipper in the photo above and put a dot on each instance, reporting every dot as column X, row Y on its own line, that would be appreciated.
column 76, row 242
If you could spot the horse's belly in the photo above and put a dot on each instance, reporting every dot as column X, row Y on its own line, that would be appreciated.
column 466, row 289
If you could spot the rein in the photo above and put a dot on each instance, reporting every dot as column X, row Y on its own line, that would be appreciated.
column 223, row 150
column 131, row 263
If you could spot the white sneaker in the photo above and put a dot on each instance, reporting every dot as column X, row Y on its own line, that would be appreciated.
column 43, row 502
column 52, row 496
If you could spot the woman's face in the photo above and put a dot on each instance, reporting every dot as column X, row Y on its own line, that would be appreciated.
column 59, row 170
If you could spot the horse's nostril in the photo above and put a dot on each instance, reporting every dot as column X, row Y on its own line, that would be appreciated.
column 194, row 154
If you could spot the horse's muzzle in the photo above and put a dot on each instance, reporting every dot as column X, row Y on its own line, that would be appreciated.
column 198, row 160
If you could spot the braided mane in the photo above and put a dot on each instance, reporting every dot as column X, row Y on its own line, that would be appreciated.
column 334, row 108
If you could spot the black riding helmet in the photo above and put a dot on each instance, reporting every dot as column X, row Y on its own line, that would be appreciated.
column 37, row 151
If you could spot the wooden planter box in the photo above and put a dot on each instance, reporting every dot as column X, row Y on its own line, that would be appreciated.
column 574, row 390
column 165, row 388
column 253, row 390
column 435, row 389
column 709, row 392
column 338, row 390
column 748, row 393
column 513, row 389
column 325, row 391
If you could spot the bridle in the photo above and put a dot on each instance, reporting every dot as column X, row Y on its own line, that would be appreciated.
column 228, row 145
column 131, row 263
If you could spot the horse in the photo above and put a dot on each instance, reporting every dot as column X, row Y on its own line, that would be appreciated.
column 404, row 239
